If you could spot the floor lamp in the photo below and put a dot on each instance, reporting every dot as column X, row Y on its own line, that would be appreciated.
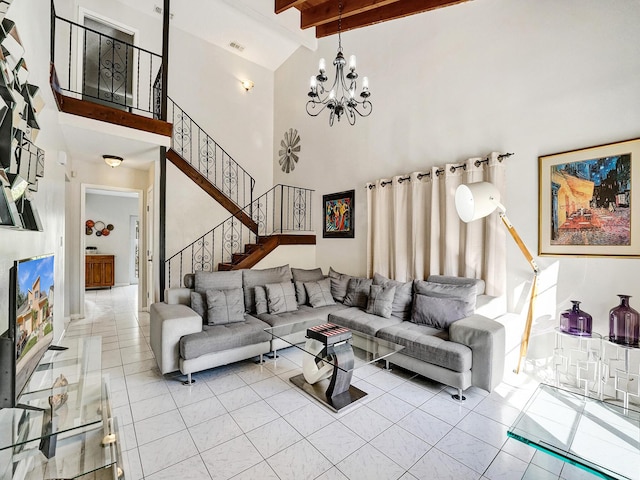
column 477, row 200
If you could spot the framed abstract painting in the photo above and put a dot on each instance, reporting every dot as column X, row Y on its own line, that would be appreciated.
column 338, row 215
column 589, row 201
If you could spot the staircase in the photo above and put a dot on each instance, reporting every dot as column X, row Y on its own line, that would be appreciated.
column 281, row 216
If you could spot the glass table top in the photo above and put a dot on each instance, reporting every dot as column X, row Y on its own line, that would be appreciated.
column 597, row 436
column 366, row 349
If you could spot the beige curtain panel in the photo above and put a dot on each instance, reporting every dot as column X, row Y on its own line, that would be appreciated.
column 414, row 230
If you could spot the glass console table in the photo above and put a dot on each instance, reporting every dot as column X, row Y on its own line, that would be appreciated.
column 600, row 437
column 63, row 426
column 327, row 370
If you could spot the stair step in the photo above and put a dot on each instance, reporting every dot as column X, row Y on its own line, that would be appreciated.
column 251, row 247
column 238, row 257
column 225, row 267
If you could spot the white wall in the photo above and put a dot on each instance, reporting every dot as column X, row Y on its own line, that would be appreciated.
column 532, row 78
column 116, row 211
column 32, row 22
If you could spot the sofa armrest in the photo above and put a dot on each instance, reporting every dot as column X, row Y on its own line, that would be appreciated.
column 486, row 339
column 175, row 296
column 170, row 322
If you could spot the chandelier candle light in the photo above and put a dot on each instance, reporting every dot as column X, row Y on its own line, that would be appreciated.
column 341, row 98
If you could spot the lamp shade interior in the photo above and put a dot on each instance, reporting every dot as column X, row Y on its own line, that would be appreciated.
column 476, row 200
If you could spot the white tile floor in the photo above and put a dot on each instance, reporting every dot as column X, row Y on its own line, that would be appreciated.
column 246, row 421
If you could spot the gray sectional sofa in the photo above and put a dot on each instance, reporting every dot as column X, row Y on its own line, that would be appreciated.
column 221, row 317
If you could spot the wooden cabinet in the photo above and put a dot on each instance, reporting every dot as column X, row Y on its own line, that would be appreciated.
column 99, row 271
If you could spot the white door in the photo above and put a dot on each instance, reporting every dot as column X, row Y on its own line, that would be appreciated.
column 149, row 248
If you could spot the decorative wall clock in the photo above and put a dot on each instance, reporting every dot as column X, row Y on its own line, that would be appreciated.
column 289, row 151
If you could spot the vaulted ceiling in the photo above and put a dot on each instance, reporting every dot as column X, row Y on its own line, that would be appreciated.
column 324, row 14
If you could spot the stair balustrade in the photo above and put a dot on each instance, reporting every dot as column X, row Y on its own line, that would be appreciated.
column 204, row 154
column 284, row 209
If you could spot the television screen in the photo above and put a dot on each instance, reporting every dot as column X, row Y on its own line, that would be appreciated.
column 33, row 315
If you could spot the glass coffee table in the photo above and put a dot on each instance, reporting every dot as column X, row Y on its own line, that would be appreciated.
column 597, row 436
column 331, row 358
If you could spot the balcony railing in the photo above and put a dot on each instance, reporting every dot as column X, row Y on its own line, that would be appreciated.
column 283, row 209
column 96, row 67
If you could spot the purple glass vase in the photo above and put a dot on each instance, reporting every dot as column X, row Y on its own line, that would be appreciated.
column 624, row 322
column 575, row 321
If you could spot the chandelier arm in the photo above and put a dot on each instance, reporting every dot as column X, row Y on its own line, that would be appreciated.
column 313, row 106
column 367, row 106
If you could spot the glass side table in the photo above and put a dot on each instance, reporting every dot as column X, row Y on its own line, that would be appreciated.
column 621, row 367
column 577, row 362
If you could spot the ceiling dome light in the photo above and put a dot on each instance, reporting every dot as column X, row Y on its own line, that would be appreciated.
column 112, row 160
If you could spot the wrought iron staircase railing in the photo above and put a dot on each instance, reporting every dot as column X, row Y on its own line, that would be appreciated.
column 99, row 68
column 203, row 153
column 282, row 209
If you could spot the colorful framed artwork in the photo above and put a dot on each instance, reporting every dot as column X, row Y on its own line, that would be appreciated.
column 338, row 215
column 589, row 202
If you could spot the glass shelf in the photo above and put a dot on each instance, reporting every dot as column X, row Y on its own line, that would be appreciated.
column 47, row 438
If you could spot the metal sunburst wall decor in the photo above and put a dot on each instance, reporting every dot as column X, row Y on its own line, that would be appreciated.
column 290, row 150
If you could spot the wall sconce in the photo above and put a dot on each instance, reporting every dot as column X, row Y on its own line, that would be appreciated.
column 112, row 160
column 247, row 85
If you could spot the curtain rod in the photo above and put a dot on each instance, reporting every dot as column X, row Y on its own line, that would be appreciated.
column 440, row 171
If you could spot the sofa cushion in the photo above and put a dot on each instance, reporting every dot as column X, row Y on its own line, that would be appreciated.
column 429, row 345
column 225, row 306
column 451, row 280
column 217, row 280
column 300, row 276
column 439, row 312
column 357, row 319
column 466, row 292
column 281, row 297
column 401, row 307
column 199, row 305
column 357, row 292
column 319, row 293
column 217, row 338
column 381, row 300
column 261, row 300
column 253, row 278
column 305, row 316
column 339, row 284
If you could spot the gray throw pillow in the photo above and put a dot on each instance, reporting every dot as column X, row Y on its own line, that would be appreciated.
column 339, row 284
column 261, row 300
column 300, row 276
column 319, row 293
column 253, row 277
column 358, row 292
column 199, row 305
column 281, row 297
column 439, row 312
column 479, row 283
column 401, row 307
column 381, row 300
column 225, row 306
column 463, row 292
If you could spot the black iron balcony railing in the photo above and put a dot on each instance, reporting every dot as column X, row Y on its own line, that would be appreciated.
column 204, row 154
column 96, row 67
column 283, row 209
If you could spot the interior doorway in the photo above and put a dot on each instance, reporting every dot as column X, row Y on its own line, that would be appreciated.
column 119, row 209
column 107, row 61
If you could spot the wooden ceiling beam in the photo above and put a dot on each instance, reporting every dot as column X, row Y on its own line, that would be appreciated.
column 389, row 12
column 330, row 11
column 282, row 5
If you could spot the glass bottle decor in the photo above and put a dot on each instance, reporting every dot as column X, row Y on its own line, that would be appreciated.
column 576, row 321
column 624, row 322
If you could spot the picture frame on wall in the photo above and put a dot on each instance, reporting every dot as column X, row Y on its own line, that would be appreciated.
column 587, row 201
column 338, row 215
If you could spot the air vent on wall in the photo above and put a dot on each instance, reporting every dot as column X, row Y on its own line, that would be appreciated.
column 236, row 46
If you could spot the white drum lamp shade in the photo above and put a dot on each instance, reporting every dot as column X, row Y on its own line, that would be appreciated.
column 476, row 200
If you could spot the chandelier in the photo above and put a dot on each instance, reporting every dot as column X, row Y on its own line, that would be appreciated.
column 341, row 98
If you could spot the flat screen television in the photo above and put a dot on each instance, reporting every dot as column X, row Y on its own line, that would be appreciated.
column 30, row 331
